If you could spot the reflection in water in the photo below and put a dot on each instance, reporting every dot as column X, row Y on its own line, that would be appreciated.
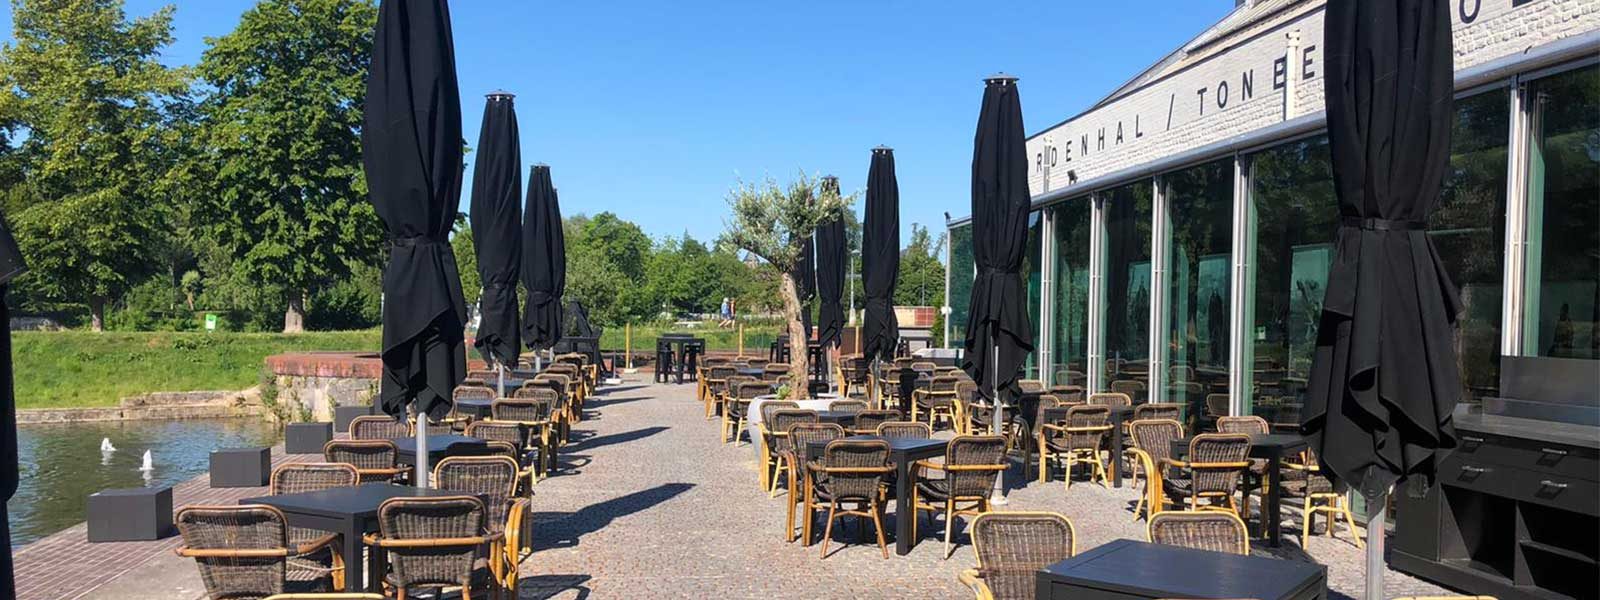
column 62, row 464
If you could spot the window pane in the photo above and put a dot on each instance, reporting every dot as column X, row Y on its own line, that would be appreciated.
column 1295, row 213
column 962, row 268
column 1071, row 303
column 1032, row 267
column 1127, row 306
column 1200, row 207
column 1563, row 264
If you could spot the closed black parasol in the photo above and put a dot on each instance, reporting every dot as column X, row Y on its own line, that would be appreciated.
column 832, row 258
column 544, row 262
column 998, row 318
column 880, row 258
column 11, row 265
column 497, row 229
column 411, row 148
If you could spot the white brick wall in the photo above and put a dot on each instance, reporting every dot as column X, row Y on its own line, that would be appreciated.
column 1208, row 101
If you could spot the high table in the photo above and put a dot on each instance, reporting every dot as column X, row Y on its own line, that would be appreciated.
column 350, row 512
column 1272, row 447
column 904, row 453
column 440, row 447
column 1131, row 569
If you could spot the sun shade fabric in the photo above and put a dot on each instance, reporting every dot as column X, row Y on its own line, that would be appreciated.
column 832, row 261
column 497, row 230
column 998, row 313
column 1384, row 379
column 880, row 258
column 11, row 265
column 411, row 150
column 544, row 261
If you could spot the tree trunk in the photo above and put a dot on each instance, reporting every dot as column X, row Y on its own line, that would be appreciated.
column 294, row 319
column 799, row 359
column 97, row 314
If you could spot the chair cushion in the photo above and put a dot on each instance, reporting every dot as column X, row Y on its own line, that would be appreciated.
column 933, row 489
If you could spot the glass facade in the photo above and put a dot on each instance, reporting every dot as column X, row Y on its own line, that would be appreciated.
column 1070, row 223
column 1126, row 310
column 1199, row 203
column 1562, row 272
column 1034, row 267
column 962, row 269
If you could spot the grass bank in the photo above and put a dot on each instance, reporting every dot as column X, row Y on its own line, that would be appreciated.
column 84, row 369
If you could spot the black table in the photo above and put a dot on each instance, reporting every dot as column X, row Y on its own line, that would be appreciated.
column 477, row 408
column 347, row 511
column 440, row 447
column 903, row 452
column 1272, row 447
column 751, row 372
column 1130, row 569
column 678, row 343
column 840, row 417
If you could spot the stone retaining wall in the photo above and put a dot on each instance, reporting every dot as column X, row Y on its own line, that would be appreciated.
column 159, row 405
column 310, row 384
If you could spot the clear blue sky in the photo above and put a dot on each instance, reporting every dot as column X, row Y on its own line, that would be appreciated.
column 653, row 110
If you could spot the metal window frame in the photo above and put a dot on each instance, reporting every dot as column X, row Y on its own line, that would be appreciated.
column 1241, row 340
column 1160, row 241
column 1096, row 351
column 1044, row 339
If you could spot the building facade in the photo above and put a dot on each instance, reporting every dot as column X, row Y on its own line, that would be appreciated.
column 1183, row 226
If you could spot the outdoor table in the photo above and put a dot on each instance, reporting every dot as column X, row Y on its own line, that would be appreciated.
column 477, row 408
column 757, row 373
column 677, row 341
column 1132, row 569
column 1272, row 447
column 843, row 418
column 753, row 419
column 350, row 512
column 440, row 447
column 904, row 453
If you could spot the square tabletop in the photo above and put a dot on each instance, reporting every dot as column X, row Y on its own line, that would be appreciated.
column 899, row 448
column 1262, row 445
column 1141, row 569
column 437, row 443
column 359, row 501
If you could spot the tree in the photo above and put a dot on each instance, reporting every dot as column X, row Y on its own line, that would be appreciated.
column 774, row 223
column 921, row 273
column 86, row 104
column 281, row 146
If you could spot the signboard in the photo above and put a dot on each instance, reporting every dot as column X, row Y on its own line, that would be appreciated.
column 211, row 321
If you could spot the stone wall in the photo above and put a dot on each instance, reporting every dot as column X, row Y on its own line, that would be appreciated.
column 159, row 405
column 307, row 385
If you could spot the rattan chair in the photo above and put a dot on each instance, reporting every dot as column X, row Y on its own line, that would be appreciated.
column 1212, row 470
column 1248, row 425
column 1012, row 547
column 1152, row 445
column 1301, row 479
column 462, row 392
column 1133, row 389
column 299, row 478
column 971, row 464
column 437, row 542
column 735, row 410
column 772, row 371
column 1111, row 399
column 1213, row 530
column 378, row 427
column 1075, row 441
column 493, row 479
column 515, row 438
column 243, row 551
column 850, row 406
column 775, row 426
column 867, row 421
column 375, row 460
column 936, row 402
column 1157, row 410
column 905, row 430
column 716, row 385
column 801, row 437
column 1032, row 386
column 850, row 472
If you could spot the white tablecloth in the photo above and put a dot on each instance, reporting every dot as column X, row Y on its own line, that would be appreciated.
column 753, row 418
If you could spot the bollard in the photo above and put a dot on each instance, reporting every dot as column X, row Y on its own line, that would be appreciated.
column 627, row 343
column 741, row 340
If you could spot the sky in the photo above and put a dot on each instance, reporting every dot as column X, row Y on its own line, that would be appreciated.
column 654, row 110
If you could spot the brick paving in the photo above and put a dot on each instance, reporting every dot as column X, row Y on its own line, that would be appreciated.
column 652, row 505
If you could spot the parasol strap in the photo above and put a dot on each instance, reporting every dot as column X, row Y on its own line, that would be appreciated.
column 497, row 286
column 415, row 240
column 1383, row 224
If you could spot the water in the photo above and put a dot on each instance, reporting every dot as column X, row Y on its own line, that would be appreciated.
column 62, row 464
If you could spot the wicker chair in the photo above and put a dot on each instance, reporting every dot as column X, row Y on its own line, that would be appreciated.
column 1213, row 530
column 493, row 479
column 570, row 406
column 850, row 406
column 299, row 478
column 775, row 426
column 1212, row 469
column 534, row 416
column 850, row 472
column 1012, row 548
column 438, row 542
column 1157, row 410
column 937, row 401
column 867, row 421
column 773, row 371
column 1152, row 444
column 735, row 410
column 1032, row 386
column 716, row 385
column 378, row 427
column 512, row 438
column 1302, row 479
column 1074, row 394
column 905, row 430
column 374, row 460
column 463, row 392
column 971, row 464
column 1111, row 399
column 1248, row 425
column 1132, row 388
column 1075, row 441
column 801, row 437
column 243, row 551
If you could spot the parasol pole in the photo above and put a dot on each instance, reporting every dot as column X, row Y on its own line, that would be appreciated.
column 998, row 425
column 422, row 446
column 1375, row 564
column 500, row 373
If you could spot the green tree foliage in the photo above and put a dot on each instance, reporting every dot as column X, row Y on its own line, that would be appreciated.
column 281, row 148
column 86, row 108
column 921, row 280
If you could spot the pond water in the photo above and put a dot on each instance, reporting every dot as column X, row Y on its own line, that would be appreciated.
column 62, row 464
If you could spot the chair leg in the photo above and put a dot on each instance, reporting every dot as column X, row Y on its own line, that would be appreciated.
column 1307, row 518
column 827, row 531
column 877, row 526
column 949, row 525
column 805, row 527
column 780, row 466
column 1350, row 519
column 789, row 501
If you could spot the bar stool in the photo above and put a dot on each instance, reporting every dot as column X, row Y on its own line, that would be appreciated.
column 663, row 360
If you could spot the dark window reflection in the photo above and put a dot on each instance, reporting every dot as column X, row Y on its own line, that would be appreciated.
column 1032, row 267
column 1127, row 281
column 962, row 268
column 1200, row 206
column 1563, row 260
column 1071, row 302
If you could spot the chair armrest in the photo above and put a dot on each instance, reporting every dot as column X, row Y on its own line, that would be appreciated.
column 850, row 470
column 373, row 539
column 1300, row 467
column 316, row 544
column 188, row 552
column 1243, row 464
column 1172, row 463
column 387, row 471
column 928, row 464
column 973, row 580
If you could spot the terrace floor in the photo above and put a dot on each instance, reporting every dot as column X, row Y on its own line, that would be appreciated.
column 652, row 505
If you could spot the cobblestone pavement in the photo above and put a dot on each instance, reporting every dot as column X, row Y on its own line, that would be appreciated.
column 654, row 506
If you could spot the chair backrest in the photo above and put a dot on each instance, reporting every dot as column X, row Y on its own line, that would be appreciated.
column 1157, row 410
column 771, row 371
column 905, row 430
column 869, row 420
column 902, row 363
column 523, row 409
column 1217, row 405
column 1217, row 460
column 850, row 406
column 721, row 372
column 782, row 420
column 472, row 392
column 1155, row 436
column 1069, row 393
column 223, row 529
column 480, row 374
column 750, row 389
column 1249, row 424
column 802, row 435
column 924, row 366
column 1031, row 386
column 439, row 518
column 378, row 427
column 858, row 459
column 1087, row 425
column 297, row 478
column 369, row 457
column 968, row 458
column 1180, row 373
column 944, row 385
column 498, row 431
column 1111, row 398
column 1012, row 548
column 1128, row 387
column 1214, row 530
column 541, row 387
column 491, row 478
column 771, row 406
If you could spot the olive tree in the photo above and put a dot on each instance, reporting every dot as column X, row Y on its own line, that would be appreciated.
column 774, row 222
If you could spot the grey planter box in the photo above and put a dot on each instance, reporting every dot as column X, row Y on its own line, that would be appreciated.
column 343, row 415
column 306, row 438
column 130, row 514
column 241, row 467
